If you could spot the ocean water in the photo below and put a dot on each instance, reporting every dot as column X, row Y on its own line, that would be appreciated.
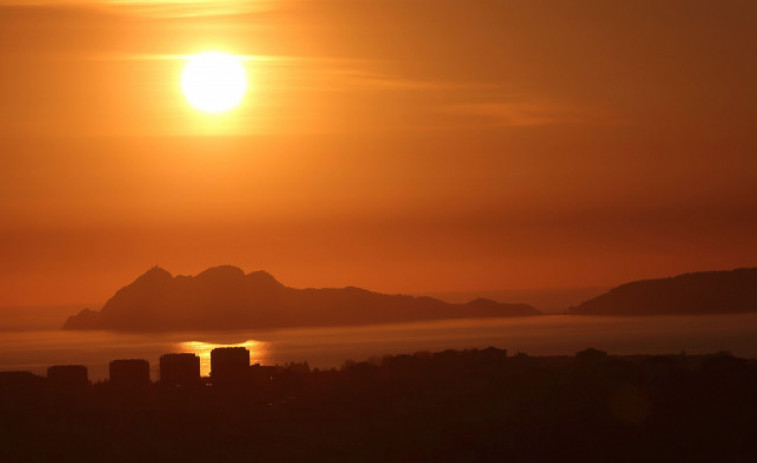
column 329, row 347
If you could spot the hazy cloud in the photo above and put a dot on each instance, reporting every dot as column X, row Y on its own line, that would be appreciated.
column 356, row 78
column 525, row 113
column 159, row 8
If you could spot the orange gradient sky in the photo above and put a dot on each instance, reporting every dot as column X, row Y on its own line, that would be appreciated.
column 402, row 145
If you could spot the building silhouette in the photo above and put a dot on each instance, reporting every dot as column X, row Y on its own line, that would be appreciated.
column 130, row 373
column 262, row 375
column 179, row 369
column 229, row 365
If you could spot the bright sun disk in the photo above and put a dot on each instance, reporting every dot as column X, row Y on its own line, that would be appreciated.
column 214, row 82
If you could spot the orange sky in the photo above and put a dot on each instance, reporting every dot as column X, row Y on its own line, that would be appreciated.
column 389, row 145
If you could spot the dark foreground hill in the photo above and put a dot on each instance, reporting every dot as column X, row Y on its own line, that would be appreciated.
column 225, row 297
column 732, row 291
column 471, row 406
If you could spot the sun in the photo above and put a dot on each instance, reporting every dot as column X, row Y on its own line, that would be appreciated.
column 214, row 82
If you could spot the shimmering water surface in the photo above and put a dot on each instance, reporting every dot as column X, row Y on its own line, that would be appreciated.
column 330, row 347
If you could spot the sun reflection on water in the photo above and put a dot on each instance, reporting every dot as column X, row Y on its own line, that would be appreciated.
column 258, row 352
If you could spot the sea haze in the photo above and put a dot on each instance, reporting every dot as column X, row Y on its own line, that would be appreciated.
column 327, row 347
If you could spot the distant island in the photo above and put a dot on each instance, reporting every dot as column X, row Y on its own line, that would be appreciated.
column 714, row 292
column 225, row 298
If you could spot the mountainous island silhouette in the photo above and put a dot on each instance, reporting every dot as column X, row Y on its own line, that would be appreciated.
column 733, row 291
column 225, row 298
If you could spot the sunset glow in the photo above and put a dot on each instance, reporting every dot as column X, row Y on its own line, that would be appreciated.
column 466, row 146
